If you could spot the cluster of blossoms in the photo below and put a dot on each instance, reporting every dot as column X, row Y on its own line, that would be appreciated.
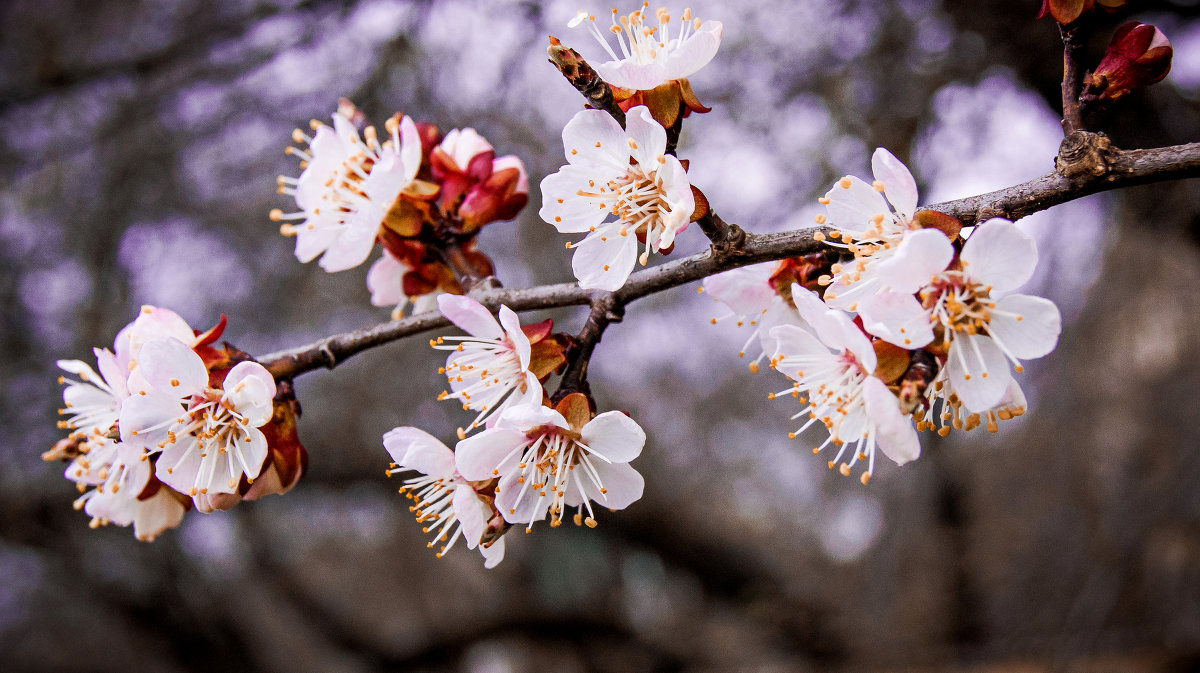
column 914, row 328
column 624, row 186
column 170, row 421
column 530, row 460
column 419, row 194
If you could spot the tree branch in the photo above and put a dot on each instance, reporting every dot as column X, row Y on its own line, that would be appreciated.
column 585, row 79
column 605, row 311
column 1125, row 169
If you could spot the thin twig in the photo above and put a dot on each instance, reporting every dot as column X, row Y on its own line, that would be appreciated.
column 1074, row 39
column 1125, row 169
column 605, row 311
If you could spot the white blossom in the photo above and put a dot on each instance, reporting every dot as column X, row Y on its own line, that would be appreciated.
column 619, row 172
column 443, row 501
column 650, row 54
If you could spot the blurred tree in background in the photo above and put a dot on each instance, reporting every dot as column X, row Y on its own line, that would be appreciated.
column 137, row 160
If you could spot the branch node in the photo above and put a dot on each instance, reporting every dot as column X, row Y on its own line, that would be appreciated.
column 327, row 353
column 1084, row 156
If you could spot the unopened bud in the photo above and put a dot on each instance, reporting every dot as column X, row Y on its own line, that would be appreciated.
column 1139, row 55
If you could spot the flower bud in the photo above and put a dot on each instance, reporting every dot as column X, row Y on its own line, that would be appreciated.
column 1138, row 55
column 1066, row 11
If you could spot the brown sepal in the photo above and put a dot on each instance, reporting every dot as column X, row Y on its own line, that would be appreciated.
column 932, row 219
column 545, row 358
column 892, row 361
column 538, row 330
column 701, row 204
column 576, row 409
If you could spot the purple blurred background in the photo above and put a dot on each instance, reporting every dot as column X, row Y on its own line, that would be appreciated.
column 139, row 145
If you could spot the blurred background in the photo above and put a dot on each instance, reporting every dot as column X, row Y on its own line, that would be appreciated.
column 139, row 144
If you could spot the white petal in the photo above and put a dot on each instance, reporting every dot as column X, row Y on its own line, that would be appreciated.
column 977, row 371
column 920, row 255
column 410, row 148
column 853, row 207
column 471, row 512
column 747, row 290
column 251, row 390
column 615, row 436
column 385, row 280
column 178, row 465
column 695, row 52
column 172, row 367
column 594, row 137
column 629, row 75
column 649, row 138
column 115, row 374
column 493, row 554
column 483, row 456
column 1000, row 255
column 895, row 433
column 160, row 512
column 623, row 485
column 470, row 316
column 839, row 332
column 520, row 342
column 1028, row 327
column 415, row 449
column 355, row 240
column 251, row 452
column 896, row 318
column 605, row 259
column 563, row 207
column 898, row 182
column 141, row 412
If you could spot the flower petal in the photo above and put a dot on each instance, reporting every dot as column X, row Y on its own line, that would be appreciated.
column 415, row 449
column 695, row 52
column 895, row 433
column 489, row 453
column 647, row 138
column 172, row 367
column 622, row 485
column 1028, row 327
column 853, row 205
column 977, row 371
column 920, row 255
column 1000, row 255
column 563, row 207
column 898, row 182
column 593, row 137
column 896, row 318
column 605, row 258
column 470, row 316
column 520, row 342
column 614, row 436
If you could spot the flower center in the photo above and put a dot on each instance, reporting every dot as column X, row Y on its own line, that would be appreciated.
column 957, row 304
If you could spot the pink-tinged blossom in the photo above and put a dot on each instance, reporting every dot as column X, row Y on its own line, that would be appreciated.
column 868, row 227
column 650, row 53
column 751, row 296
column 620, row 172
column 546, row 463
column 115, row 477
column 385, row 280
column 120, row 475
column 209, row 438
column 487, row 370
column 832, row 369
column 445, row 503
column 348, row 187
column 975, row 319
